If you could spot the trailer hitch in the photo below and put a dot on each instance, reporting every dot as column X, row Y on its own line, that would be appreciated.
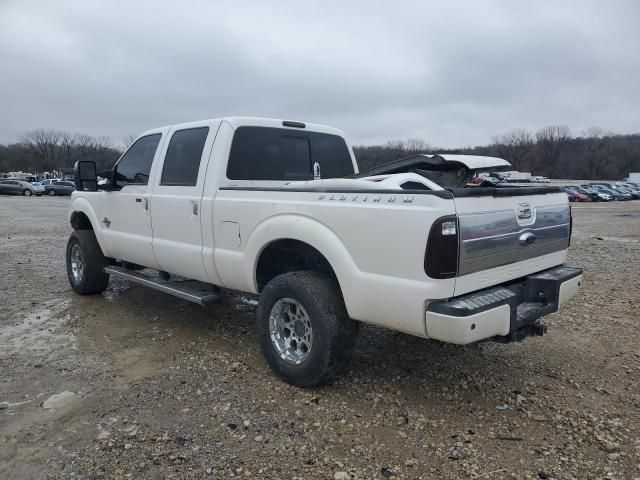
column 529, row 330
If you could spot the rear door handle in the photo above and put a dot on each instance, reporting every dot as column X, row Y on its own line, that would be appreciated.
column 139, row 200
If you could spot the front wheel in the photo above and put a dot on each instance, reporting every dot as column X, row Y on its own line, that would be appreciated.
column 27, row 192
column 304, row 330
column 85, row 263
column 52, row 193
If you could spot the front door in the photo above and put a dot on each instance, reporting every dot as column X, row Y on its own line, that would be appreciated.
column 177, row 200
column 125, row 217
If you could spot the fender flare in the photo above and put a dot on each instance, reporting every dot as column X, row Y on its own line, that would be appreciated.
column 309, row 231
column 82, row 205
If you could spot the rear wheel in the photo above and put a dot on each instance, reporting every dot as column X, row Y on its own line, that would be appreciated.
column 304, row 330
column 85, row 263
column 27, row 192
column 52, row 193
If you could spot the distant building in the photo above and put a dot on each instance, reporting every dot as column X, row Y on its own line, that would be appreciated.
column 24, row 176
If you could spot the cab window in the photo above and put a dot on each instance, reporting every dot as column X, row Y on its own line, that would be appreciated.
column 135, row 165
column 182, row 161
column 267, row 153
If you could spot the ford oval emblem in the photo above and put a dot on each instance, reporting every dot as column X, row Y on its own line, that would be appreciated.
column 527, row 238
column 524, row 211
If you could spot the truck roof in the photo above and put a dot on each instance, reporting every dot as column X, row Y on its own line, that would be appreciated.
column 236, row 122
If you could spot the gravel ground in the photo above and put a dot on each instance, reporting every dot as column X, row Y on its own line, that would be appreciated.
column 137, row 384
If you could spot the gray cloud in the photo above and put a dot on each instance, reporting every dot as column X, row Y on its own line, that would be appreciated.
column 451, row 74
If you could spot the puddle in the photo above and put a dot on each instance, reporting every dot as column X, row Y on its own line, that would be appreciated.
column 39, row 333
column 618, row 239
column 116, row 289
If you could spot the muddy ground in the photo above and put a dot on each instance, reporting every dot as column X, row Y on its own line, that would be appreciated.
column 137, row 384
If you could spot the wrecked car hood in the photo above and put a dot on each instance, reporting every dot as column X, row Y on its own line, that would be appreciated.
column 446, row 170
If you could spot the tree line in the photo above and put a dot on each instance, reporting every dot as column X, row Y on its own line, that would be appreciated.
column 46, row 150
column 551, row 151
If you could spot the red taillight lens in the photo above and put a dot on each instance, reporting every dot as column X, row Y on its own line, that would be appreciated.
column 441, row 257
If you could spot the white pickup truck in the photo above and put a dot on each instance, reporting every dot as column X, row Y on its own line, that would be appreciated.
column 279, row 208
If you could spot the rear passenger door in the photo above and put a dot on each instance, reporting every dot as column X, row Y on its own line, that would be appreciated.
column 177, row 200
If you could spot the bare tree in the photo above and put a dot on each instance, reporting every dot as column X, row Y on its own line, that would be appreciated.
column 595, row 146
column 416, row 145
column 552, row 140
column 128, row 140
column 43, row 145
column 514, row 146
column 628, row 151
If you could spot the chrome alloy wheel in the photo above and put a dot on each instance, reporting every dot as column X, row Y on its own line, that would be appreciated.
column 77, row 265
column 290, row 330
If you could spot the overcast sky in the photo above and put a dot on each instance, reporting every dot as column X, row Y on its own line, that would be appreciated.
column 451, row 73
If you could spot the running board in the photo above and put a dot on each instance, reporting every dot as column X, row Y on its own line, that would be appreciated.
column 191, row 290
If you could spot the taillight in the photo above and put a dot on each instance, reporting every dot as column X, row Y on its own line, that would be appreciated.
column 441, row 257
column 570, row 224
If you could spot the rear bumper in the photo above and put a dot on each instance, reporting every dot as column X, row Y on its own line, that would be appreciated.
column 508, row 311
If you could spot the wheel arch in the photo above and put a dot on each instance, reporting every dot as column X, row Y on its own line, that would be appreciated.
column 82, row 216
column 240, row 267
column 285, row 255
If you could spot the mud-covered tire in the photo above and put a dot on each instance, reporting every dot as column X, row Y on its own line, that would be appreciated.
column 333, row 332
column 85, row 263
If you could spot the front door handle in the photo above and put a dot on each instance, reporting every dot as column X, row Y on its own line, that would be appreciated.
column 145, row 201
column 194, row 206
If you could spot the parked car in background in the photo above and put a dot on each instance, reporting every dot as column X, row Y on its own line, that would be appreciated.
column 594, row 195
column 575, row 196
column 628, row 190
column 19, row 187
column 60, row 187
column 632, row 186
column 614, row 194
column 486, row 181
column 49, row 181
column 38, row 187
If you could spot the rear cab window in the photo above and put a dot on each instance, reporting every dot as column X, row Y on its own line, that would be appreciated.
column 269, row 153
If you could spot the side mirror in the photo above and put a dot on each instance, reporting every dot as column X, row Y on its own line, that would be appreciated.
column 106, row 182
column 86, row 178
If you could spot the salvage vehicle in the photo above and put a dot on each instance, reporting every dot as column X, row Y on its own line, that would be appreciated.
column 575, row 196
column 20, row 187
column 593, row 194
column 60, row 187
column 627, row 190
column 615, row 194
column 280, row 209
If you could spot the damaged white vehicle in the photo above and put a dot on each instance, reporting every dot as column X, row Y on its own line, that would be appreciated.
column 279, row 208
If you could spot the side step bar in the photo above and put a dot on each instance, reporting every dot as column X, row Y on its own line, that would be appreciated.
column 191, row 290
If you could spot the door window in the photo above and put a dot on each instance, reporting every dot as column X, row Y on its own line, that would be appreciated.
column 182, row 161
column 134, row 166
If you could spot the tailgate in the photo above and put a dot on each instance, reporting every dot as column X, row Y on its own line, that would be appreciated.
column 506, row 234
